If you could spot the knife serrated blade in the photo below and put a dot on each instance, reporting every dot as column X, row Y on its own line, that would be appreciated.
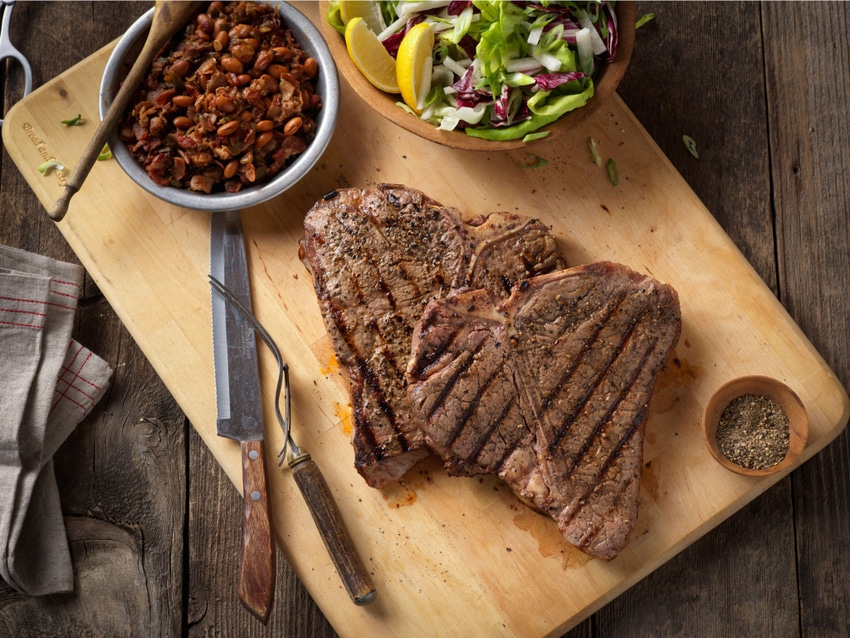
column 240, row 409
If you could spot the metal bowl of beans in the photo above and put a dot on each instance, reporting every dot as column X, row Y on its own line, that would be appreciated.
column 240, row 158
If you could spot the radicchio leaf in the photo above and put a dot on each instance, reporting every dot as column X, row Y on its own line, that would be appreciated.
column 548, row 81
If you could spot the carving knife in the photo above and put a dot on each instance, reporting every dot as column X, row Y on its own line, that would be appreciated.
column 240, row 409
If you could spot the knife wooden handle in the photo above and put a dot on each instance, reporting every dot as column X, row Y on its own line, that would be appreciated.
column 257, row 565
column 334, row 533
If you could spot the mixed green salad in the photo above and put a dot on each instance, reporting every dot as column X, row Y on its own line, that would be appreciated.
column 502, row 69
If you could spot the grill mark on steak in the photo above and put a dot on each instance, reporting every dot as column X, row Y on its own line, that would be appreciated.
column 558, row 409
column 370, row 378
column 594, row 386
column 609, row 309
column 548, row 399
column 494, row 427
column 605, row 419
column 470, row 410
column 377, row 257
column 469, row 358
column 591, row 536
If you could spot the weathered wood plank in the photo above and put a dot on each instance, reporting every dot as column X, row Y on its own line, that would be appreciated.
column 121, row 474
column 807, row 60
column 214, row 543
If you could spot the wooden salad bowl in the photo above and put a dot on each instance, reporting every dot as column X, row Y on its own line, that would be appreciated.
column 386, row 104
column 798, row 423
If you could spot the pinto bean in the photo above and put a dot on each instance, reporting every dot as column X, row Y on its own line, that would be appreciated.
column 225, row 103
column 230, row 168
column 222, row 39
column 276, row 70
column 263, row 139
column 180, row 67
column 292, row 126
column 263, row 59
column 311, row 68
column 205, row 22
column 228, row 128
column 231, row 65
column 182, row 101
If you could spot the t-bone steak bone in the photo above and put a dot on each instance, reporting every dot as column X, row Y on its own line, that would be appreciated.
column 549, row 390
column 378, row 257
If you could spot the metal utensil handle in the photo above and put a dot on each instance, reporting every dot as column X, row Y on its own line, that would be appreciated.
column 332, row 528
column 257, row 565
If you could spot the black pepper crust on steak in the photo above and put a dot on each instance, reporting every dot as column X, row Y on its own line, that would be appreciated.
column 378, row 257
column 549, row 390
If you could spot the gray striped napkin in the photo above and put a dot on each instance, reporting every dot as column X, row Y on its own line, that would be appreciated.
column 50, row 384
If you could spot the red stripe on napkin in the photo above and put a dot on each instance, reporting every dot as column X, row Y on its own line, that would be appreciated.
column 76, row 382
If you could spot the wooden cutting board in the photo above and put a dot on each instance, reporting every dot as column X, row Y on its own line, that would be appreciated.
column 449, row 556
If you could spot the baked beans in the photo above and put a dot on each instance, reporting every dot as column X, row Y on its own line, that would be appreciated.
column 227, row 103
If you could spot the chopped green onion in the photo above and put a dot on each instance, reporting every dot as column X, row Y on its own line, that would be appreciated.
column 613, row 172
column 591, row 143
column 540, row 163
column 644, row 19
column 74, row 121
column 50, row 165
column 105, row 153
column 535, row 136
column 691, row 145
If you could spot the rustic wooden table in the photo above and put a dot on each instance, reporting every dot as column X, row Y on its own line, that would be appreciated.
column 763, row 88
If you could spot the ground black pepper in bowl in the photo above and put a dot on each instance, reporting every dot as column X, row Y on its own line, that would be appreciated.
column 753, row 432
column 755, row 426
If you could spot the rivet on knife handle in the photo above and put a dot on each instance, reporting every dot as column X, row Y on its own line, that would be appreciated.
column 257, row 567
column 332, row 528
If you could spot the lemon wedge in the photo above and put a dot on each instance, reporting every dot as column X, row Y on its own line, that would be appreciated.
column 370, row 56
column 369, row 10
column 414, row 65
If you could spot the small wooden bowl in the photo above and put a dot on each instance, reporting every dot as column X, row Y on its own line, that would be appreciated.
column 385, row 103
column 798, row 422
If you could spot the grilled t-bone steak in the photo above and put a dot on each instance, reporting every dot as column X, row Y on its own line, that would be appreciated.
column 378, row 257
column 549, row 390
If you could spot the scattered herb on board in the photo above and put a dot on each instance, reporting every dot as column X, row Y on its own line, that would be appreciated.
column 594, row 152
column 76, row 121
column 45, row 168
column 613, row 172
column 540, row 163
column 643, row 20
column 691, row 145
column 753, row 432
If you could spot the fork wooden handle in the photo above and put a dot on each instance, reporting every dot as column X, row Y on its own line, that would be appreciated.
column 331, row 526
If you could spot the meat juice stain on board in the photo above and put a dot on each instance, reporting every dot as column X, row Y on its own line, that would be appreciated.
column 397, row 494
column 550, row 543
column 404, row 491
column 344, row 414
column 648, row 483
column 675, row 377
